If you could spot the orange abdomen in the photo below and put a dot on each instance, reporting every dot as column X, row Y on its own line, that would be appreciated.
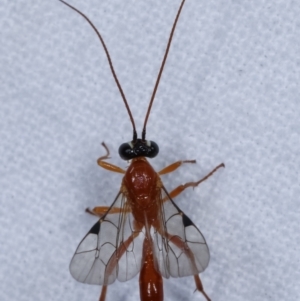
column 151, row 282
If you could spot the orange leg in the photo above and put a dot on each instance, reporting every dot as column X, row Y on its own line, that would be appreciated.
column 174, row 166
column 100, row 211
column 175, row 192
column 184, row 247
column 199, row 287
column 103, row 293
column 106, row 165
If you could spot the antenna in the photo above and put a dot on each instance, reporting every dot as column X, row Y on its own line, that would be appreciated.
column 161, row 70
column 115, row 75
column 110, row 64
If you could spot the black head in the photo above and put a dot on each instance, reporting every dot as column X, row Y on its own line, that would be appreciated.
column 138, row 148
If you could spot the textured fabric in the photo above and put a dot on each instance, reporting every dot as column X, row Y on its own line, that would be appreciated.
column 229, row 93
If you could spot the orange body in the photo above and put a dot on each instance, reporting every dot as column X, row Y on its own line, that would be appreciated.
column 142, row 186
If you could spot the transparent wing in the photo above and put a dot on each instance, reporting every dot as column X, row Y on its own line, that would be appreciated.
column 111, row 250
column 179, row 246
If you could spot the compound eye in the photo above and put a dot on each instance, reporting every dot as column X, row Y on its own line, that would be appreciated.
column 126, row 151
column 139, row 148
column 152, row 150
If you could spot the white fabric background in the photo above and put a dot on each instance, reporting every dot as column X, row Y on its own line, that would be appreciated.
column 229, row 93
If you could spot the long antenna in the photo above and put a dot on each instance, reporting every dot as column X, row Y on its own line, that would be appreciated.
column 110, row 64
column 161, row 70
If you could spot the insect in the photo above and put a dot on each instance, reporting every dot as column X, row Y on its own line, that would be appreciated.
column 143, row 231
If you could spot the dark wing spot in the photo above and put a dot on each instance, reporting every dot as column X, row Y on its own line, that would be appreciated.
column 186, row 220
column 95, row 229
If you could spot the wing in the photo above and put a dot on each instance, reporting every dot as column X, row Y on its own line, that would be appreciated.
column 111, row 249
column 179, row 246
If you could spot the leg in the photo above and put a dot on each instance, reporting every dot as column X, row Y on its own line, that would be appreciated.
column 103, row 293
column 100, row 211
column 177, row 241
column 199, row 286
column 106, row 165
column 174, row 166
column 180, row 188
